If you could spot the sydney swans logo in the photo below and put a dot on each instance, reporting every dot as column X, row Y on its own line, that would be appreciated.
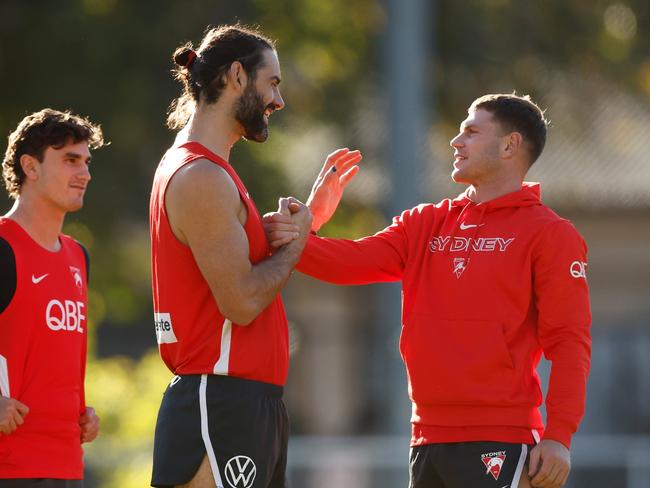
column 240, row 472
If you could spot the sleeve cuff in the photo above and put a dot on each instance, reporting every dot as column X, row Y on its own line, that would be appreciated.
column 560, row 432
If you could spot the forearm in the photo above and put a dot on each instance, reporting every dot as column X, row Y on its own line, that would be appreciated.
column 565, row 400
column 263, row 283
column 346, row 262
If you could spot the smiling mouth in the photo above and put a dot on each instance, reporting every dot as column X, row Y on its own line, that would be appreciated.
column 458, row 159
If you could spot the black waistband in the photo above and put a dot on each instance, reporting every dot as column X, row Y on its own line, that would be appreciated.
column 239, row 385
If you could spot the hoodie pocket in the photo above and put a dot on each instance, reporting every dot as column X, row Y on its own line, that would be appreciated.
column 456, row 361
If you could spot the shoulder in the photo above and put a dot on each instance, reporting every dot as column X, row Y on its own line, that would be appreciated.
column 202, row 178
column 79, row 251
column 550, row 222
column 200, row 197
column 555, row 235
column 86, row 258
column 8, row 275
column 422, row 212
column 7, row 254
column 76, row 247
column 6, row 251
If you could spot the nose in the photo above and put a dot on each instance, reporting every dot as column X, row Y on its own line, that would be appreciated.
column 85, row 173
column 456, row 141
column 277, row 100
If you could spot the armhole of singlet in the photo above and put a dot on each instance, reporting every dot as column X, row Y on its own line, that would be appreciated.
column 87, row 259
column 8, row 278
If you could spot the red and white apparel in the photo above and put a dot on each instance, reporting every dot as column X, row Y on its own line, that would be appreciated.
column 43, row 356
column 487, row 288
column 193, row 335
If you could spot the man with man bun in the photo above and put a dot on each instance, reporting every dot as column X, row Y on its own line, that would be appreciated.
column 219, row 318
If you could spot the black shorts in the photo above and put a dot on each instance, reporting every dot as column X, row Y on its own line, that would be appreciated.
column 241, row 425
column 40, row 483
column 467, row 464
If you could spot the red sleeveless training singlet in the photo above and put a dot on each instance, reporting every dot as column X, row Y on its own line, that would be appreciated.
column 43, row 357
column 193, row 335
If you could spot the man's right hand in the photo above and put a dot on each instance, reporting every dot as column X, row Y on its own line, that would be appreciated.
column 12, row 414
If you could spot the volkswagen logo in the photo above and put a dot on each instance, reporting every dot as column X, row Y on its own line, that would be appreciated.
column 240, row 472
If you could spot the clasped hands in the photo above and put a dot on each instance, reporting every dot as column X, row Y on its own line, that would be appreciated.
column 285, row 225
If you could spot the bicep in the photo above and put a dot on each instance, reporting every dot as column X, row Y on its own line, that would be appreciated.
column 561, row 291
column 220, row 248
column 203, row 204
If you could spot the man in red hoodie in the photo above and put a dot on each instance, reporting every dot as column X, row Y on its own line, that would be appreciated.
column 491, row 280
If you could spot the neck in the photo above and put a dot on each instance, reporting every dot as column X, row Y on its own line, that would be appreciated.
column 42, row 222
column 489, row 191
column 214, row 127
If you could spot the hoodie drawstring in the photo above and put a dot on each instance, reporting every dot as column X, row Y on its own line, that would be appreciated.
column 456, row 228
column 479, row 224
column 483, row 207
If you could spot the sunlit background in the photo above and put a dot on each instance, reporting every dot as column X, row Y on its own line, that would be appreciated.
column 394, row 79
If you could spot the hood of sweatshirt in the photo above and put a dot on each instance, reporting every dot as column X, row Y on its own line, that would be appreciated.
column 528, row 196
column 472, row 214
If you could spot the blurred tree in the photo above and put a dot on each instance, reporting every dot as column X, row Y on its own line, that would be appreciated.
column 489, row 45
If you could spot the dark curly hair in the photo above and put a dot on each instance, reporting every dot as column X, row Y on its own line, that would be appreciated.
column 517, row 114
column 201, row 72
column 40, row 130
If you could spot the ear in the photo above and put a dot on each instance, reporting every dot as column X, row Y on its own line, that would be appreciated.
column 511, row 145
column 30, row 166
column 237, row 76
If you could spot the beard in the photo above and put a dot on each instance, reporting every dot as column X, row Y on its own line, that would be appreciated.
column 249, row 112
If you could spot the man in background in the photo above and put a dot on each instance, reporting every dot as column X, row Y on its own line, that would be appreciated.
column 43, row 304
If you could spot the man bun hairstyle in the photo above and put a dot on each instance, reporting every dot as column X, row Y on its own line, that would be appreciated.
column 520, row 114
column 40, row 130
column 201, row 71
column 184, row 56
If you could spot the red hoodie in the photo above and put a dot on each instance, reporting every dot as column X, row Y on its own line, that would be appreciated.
column 487, row 288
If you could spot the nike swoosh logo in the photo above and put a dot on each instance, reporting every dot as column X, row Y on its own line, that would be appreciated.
column 36, row 280
column 465, row 226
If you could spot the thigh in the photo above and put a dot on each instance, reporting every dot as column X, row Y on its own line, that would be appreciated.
column 246, row 438
column 178, row 446
column 524, row 481
column 279, row 479
column 204, row 478
column 482, row 464
column 230, row 430
column 422, row 469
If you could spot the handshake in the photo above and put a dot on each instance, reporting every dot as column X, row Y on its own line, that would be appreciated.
column 293, row 220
